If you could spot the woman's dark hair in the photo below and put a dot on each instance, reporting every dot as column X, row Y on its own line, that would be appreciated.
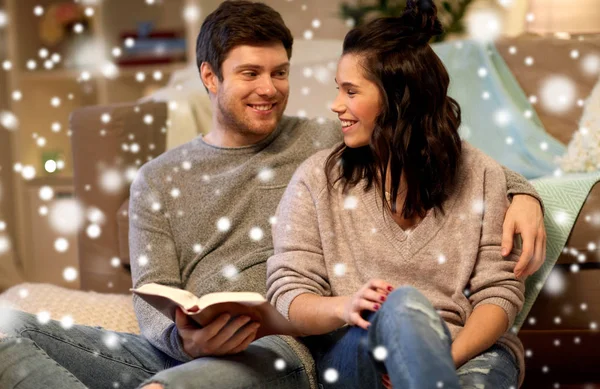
column 237, row 23
column 416, row 132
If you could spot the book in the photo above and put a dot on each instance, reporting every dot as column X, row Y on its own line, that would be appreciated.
column 205, row 309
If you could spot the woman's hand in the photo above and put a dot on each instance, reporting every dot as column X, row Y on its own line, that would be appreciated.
column 368, row 298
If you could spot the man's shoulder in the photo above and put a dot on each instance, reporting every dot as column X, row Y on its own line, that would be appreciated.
column 323, row 133
column 164, row 164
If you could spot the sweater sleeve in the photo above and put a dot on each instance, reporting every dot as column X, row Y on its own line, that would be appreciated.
column 493, row 280
column 153, row 259
column 517, row 184
column 298, row 265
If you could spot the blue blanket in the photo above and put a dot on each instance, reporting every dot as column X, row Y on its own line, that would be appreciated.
column 476, row 69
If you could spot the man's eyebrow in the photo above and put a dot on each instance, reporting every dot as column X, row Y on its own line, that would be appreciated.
column 249, row 66
column 346, row 84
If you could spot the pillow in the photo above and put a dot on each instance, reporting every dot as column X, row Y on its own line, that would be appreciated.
column 583, row 151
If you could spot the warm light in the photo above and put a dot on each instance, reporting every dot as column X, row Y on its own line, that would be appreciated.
column 191, row 13
column 3, row 19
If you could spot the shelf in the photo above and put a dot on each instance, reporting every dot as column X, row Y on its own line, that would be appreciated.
column 74, row 74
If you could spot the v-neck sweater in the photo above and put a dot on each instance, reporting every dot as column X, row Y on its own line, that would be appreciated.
column 330, row 243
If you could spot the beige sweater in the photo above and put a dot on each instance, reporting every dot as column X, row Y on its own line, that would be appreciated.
column 330, row 244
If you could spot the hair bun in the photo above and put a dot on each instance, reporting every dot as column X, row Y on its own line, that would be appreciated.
column 426, row 22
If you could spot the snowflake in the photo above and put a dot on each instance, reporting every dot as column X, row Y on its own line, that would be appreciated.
column 266, row 174
column 93, row 231
column 115, row 262
column 230, row 272
column 557, row 94
column 111, row 340
column 28, row 172
column 331, row 375
column 339, row 269
column 557, row 320
column 350, row 202
column 143, row 260
column 70, row 274
column 482, row 72
column 556, row 283
column 561, row 217
column 528, row 353
column 532, row 321
column 256, row 234
column 61, row 245
column 43, row 317
column 223, row 224
column 186, row 165
column 280, row 364
column 175, row 193
column 111, row 181
column 67, row 322
column 380, row 353
column 273, row 220
column 308, row 34
column 197, row 248
column 484, row 25
column 591, row 64
column 502, row 118
column 478, row 206
column 66, row 216
column 5, row 244
column 9, row 120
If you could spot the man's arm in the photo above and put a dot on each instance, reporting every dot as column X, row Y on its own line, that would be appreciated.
column 525, row 216
column 153, row 259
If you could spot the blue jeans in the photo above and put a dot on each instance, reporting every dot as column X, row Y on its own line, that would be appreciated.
column 35, row 356
column 410, row 342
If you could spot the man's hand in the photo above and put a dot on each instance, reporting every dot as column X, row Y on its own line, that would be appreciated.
column 525, row 217
column 221, row 337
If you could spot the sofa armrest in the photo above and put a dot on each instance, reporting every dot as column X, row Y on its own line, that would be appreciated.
column 109, row 143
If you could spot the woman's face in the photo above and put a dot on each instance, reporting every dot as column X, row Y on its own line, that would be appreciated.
column 358, row 102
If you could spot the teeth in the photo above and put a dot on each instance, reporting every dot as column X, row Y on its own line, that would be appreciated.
column 346, row 123
column 263, row 107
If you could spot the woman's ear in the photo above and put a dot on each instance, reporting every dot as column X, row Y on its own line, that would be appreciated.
column 209, row 77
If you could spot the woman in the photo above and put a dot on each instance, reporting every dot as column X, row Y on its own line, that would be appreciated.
column 396, row 233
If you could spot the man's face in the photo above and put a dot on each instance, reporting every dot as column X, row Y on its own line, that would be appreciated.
column 254, row 91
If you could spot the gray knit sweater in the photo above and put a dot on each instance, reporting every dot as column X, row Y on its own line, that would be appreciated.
column 330, row 244
column 200, row 217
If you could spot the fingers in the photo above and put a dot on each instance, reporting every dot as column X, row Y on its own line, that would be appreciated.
column 376, row 297
column 215, row 327
column 357, row 320
column 249, row 339
column 229, row 331
column 539, row 256
column 508, row 234
column 386, row 381
column 375, row 284
column 526, row 254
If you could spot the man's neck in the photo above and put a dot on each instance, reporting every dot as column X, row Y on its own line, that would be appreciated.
column 223, row 138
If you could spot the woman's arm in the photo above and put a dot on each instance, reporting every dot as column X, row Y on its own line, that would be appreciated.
column 494, row 292
column 485, row 325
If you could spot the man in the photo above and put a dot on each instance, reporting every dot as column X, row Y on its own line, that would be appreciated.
column 200, row 219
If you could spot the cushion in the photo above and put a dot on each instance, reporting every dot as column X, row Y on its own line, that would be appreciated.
column 110, row 311
column 123, row 232
column 553, row 57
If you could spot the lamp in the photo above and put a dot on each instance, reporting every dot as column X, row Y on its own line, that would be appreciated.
column 563, row 16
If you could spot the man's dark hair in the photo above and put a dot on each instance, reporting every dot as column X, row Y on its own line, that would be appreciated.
column 237, row 23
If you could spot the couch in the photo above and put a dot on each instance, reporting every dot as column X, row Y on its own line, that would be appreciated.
column 104, row 262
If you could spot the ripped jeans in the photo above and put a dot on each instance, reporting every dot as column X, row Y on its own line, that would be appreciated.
column 410, row 342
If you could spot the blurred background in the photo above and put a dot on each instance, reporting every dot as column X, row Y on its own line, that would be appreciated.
column 70, row 69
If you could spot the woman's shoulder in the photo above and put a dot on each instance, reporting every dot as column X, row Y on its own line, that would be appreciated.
column 312, row 170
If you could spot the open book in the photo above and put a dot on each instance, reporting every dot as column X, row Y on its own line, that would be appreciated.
column 208, row 307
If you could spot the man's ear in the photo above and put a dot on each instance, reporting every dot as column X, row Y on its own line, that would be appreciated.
column 209, row 77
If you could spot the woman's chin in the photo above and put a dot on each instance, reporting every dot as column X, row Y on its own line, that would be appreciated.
column 354, row 143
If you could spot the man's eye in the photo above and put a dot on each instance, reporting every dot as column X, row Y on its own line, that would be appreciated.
column 351, row 93
column 250, row 74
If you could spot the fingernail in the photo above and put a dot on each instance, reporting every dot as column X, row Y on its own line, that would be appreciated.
column 382, row 298
column 390, row 288
column 504, row 251
column 255, row 326
column 376, row 306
